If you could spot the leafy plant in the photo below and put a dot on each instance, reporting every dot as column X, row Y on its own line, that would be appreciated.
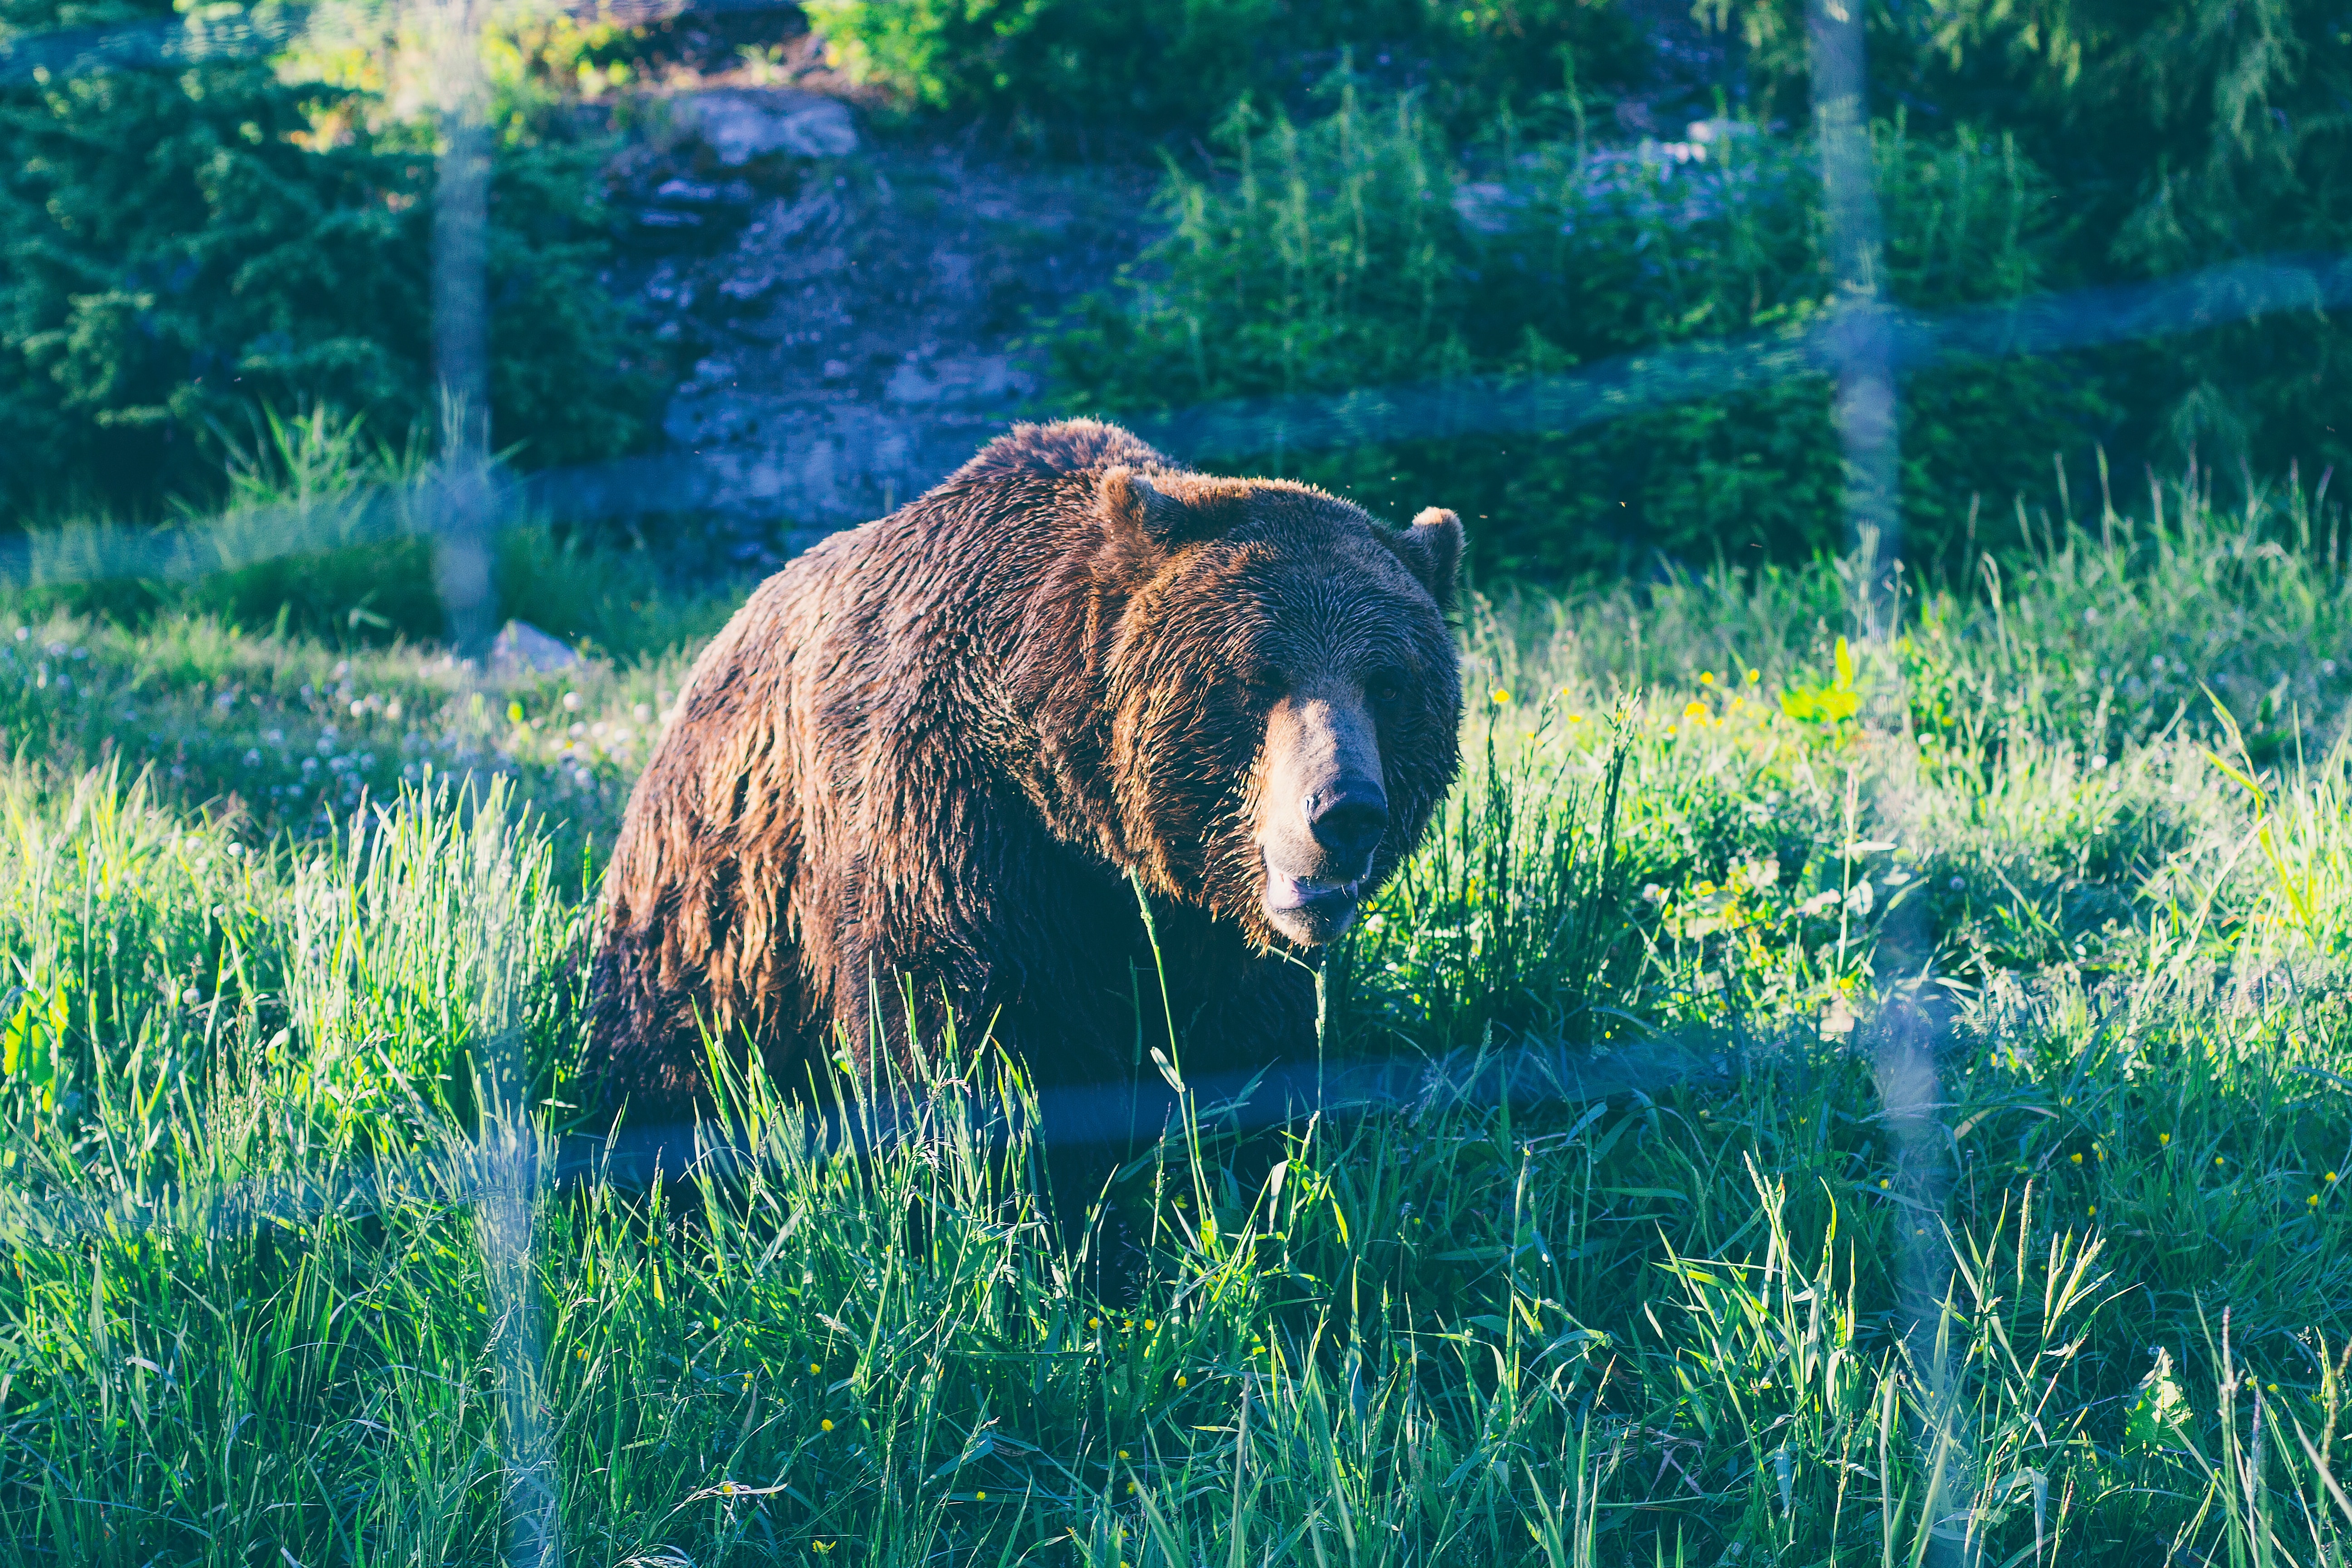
column 1830, row 705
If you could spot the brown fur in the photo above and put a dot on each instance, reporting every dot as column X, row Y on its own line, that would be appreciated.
column 939, row 746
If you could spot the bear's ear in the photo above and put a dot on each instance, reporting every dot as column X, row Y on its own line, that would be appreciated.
column 1432, row 547
column 1133, row 505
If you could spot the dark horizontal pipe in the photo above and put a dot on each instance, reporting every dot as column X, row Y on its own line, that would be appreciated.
column 1131, row 1116
column 1115, row 1118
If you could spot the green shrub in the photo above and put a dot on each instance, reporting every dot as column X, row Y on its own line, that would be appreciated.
column 2133, row 142
column 180, row 247
column 2181, row 133
column 1353, row 251
column 1064, row 69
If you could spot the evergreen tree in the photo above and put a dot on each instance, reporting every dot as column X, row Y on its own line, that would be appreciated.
column 184, row 243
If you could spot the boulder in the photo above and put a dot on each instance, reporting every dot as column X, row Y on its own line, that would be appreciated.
column 741, row 124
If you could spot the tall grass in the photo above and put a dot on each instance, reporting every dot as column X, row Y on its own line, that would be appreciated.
column 327, row 532
column 280, row 1109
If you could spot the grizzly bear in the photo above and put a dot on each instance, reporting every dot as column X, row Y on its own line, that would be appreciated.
column 946, row 757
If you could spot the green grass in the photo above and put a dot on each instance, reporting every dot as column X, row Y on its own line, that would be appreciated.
column 282, row 1072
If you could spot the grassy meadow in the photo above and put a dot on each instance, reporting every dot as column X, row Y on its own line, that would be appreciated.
column 1943, row 1166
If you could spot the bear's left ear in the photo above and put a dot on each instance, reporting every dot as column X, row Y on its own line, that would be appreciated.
column 1432, row 548
column 1164, row 510
column 1134, row 504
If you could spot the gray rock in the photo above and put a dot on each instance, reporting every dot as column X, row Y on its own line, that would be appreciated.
column 830, row 465
column 746, row 287
column 983, row 379
column 522, row 648
column 739, row 125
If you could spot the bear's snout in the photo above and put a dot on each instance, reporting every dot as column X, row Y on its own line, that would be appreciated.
column 1324, row 811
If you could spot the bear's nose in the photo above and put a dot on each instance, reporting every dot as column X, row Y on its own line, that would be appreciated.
column 1349, row 823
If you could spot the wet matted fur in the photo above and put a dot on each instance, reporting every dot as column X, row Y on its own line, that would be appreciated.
column 947, row 745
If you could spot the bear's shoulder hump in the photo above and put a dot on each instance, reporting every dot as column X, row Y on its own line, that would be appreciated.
column 1063, row 448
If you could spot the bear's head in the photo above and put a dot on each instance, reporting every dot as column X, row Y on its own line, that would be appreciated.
column 1283, row 694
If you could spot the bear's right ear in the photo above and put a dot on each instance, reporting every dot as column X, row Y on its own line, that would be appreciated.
column 1432, row 548
column 1134, row 506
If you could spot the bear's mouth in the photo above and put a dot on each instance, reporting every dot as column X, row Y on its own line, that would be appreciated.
column 1307, row 910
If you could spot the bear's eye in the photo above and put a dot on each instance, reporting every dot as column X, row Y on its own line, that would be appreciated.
column 1262, row 683
column 1385, row 686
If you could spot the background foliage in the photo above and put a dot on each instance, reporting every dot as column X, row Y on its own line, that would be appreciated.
column 1354, row 251
column 2178, row 133
column 180, row 247
column 1063, row 70
column 1366, row 242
